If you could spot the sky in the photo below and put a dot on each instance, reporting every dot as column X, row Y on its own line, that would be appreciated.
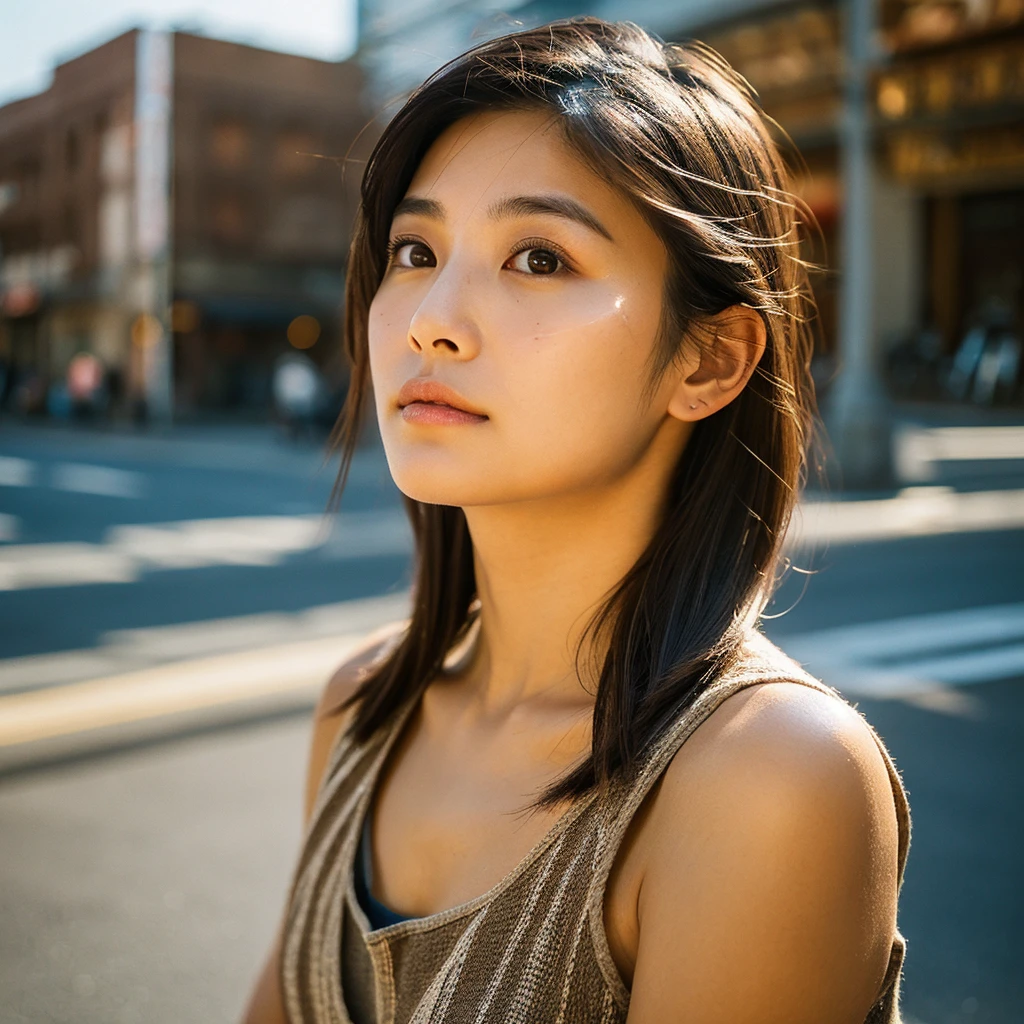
column 39, row 34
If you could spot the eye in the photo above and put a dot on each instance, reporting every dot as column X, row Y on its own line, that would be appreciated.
column 410, row 253
column 537, row 261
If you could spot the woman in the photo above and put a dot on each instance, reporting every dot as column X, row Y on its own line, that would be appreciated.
column 578, row 785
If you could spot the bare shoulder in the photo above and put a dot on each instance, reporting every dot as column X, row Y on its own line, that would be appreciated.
column 771, row 865
column 788, row 736
column 349, row 674
column 802, row 763
column 332, row 716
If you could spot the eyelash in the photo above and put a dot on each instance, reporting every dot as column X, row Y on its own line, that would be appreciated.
column 396, row 243
column 542, row 243
column 524, row 246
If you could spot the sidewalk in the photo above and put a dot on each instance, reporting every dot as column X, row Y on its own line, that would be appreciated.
column 234, row 671
column 145, row 888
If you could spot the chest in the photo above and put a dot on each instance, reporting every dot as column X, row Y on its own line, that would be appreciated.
column 451, row 817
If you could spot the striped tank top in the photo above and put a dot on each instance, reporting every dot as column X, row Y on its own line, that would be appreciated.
column 533, row 949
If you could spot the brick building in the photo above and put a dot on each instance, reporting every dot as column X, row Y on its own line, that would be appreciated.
column 203, row 233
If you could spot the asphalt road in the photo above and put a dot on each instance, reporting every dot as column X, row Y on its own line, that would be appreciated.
column 83, row 492
column 141, row 877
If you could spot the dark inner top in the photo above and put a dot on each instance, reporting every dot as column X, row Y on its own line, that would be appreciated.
column 378, row 914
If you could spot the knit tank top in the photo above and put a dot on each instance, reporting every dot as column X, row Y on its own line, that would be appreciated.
column 531, row 950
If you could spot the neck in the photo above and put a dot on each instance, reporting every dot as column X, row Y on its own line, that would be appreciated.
column 544, row 568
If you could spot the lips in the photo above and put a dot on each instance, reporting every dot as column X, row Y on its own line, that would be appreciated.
column 431, row 392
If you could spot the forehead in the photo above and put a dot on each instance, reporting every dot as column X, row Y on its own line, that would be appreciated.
column 496, row 153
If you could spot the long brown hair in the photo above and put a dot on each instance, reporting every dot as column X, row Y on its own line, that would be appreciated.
column 682, row 136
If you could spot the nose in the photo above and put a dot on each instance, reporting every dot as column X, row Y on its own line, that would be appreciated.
column 443, row 324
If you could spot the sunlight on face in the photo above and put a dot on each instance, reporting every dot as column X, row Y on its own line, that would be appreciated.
column 532, row 290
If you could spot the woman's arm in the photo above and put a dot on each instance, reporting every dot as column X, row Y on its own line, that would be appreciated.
column 770, row 881
column 266, row 1004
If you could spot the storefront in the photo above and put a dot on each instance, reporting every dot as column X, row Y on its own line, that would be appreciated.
column 949, row 117
column 953, row 128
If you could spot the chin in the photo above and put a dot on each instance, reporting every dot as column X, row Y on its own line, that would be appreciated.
column 424, row 480
column 440, row 474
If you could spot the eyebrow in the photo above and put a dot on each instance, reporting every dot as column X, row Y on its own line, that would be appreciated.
column 510, row 207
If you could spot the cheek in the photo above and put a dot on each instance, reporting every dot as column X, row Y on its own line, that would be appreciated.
column 380, row 325
column 585, row 355
column 575, row 378
column 386, row 333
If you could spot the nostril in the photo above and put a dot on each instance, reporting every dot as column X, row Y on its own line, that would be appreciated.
column 446, row 343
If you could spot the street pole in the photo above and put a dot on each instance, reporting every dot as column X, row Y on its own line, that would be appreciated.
column 858, row 415
column 151, row 332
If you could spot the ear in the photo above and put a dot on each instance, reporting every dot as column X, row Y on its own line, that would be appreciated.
column 712, row 377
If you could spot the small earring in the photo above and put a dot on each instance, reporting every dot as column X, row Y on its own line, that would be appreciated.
column 692, row 406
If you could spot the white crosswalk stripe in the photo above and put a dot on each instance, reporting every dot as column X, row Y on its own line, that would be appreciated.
column 918, row 451
column 81, row 478
column 914, row 512
column 917, row 657
column 16, row 472
column 128, row 552
column 10, row 527
column 76, row 477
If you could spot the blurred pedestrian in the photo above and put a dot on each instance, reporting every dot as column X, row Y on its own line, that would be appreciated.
column 298, row 391
column 84, row 385
column 579, row 782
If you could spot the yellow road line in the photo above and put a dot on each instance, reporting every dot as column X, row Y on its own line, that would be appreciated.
column 293, row 668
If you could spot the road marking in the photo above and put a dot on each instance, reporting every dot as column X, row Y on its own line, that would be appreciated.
column 914, row 512
column 16, row 472
column 918, row 450
column 247, row 540
column 56, row 565
column 971, row 667
column 10, row 527
column 291, row 669
column 81, row 478
column 913, row 636
column 369, row 535
column 129, row 650
column 129, row 551
column 919, row 658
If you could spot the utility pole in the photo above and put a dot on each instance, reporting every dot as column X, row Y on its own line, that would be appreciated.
column 152, row 376
column 858, row 415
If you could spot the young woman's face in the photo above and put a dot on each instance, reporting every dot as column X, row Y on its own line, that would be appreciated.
column 511, row 335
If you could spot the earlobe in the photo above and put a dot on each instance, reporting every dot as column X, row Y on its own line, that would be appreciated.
column 737, row 341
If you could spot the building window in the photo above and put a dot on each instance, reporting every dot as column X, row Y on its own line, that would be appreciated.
column 230, row 144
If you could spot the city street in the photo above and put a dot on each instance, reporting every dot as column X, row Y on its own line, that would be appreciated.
column 201, row 527
column 169, row 605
